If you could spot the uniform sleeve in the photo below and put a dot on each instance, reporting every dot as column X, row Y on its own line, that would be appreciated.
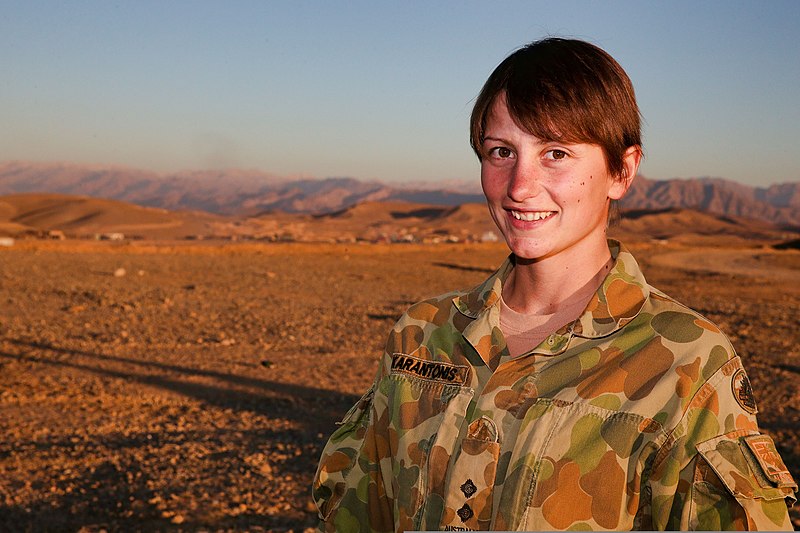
column 716, row 471
column 349, row 487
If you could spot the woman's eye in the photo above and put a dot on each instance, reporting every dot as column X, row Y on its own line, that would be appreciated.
column 556, row 154
column 500, row 152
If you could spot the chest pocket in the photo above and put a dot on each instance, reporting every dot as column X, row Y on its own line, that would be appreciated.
column 587, row 470
column 424, row 418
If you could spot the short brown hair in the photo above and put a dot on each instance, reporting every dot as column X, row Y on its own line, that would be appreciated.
column 564, row 90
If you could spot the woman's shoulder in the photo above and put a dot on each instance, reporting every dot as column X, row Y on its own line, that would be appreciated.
column 681, row 368
column 692, row 348
column 682, row 332
column 678, row 323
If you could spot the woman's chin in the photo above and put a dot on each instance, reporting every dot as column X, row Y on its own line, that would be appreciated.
column 527, row 251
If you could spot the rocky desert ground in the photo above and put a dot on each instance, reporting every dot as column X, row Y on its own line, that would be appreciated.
column 190, row 386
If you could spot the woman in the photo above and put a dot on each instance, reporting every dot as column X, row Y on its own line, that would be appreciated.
column 563, row 392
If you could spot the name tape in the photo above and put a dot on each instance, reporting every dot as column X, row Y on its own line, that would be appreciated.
column 430, row 370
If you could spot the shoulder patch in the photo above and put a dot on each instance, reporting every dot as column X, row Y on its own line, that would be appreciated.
column 430, row 370
column 771, row 463
column 743, row 392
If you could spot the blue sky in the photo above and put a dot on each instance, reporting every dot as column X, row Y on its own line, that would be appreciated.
column 380, row 90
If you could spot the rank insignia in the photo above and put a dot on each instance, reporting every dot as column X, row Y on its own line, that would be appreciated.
column 465, row 513
column 469, row 488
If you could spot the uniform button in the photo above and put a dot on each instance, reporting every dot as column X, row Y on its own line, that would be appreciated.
column 551, row 340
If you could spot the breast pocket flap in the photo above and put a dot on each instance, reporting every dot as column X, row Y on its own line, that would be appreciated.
column 748, row 466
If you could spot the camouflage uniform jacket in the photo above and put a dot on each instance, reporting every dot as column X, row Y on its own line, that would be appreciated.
column 638, row 415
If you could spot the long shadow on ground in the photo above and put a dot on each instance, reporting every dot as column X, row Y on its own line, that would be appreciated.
column 115, row 494
column 316, row 409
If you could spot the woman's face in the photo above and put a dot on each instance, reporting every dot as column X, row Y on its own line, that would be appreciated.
column 547, row 198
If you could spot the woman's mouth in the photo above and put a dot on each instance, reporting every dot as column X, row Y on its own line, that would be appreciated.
column 530, row 216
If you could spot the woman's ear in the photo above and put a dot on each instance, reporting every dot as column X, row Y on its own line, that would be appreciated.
column 630, row 166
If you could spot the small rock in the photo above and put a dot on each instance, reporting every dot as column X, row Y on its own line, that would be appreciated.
column 119, row 273
column 178, row 519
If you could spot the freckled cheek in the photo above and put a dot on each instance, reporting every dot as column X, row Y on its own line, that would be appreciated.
column 491, row 194
column 485, row 182
column 494, row 187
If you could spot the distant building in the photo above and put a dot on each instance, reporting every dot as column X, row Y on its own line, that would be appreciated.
column 112, row 237
column 489, row 236
column 56, row 235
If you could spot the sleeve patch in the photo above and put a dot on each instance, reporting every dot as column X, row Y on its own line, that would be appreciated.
column 743, row 392
column 771, row 463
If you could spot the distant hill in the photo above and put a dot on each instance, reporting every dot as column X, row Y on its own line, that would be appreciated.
column 396, row 220
column 86, row 216
column 399, row 221
column 672, row 223
column 253, row 193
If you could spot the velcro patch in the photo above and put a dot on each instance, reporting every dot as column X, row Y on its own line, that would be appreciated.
column 430, row 370
column 771, row 463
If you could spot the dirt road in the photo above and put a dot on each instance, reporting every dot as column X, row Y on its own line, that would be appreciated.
column 760, row 264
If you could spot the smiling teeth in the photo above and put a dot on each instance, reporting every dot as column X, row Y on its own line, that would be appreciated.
column 536, row 215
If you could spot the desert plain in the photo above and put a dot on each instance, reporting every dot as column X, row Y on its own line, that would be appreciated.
column 190, row 386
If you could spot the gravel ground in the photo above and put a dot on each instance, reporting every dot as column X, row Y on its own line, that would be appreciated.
column 191, row 387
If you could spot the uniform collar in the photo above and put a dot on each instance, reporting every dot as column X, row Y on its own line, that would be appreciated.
column 486, row 295
column 617, row 301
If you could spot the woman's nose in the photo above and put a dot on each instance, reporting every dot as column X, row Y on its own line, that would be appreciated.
column 523, row 182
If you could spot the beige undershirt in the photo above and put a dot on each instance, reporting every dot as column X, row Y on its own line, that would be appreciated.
column 524, row 332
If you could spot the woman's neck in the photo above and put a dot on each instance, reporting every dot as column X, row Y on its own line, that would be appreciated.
column 545, row 287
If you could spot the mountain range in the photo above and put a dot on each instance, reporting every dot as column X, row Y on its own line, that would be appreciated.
column 251, row 193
